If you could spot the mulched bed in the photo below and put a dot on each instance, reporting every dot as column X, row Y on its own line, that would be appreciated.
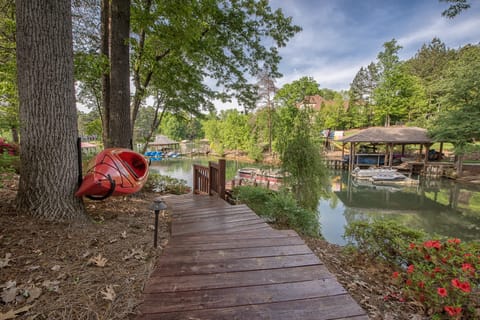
column 67, row 271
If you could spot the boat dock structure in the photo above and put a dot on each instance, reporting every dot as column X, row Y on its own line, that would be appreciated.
column 225, row 262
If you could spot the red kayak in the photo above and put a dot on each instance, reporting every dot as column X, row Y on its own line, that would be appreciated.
column 114, row 172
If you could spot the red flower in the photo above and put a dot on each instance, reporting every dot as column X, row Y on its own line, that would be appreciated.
column 442, row 292
column 412, row 245
column 452, row 311
column 427, row 257
column 395, row 275
column 432, row 244
column 456, row 283
column 437, row 269
column 408, row 282
column 465, row 287
column 454, row 241
column 410, row 268
column 467, row 267
column 421, row 284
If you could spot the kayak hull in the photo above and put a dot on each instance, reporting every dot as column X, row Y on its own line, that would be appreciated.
column 114, row 172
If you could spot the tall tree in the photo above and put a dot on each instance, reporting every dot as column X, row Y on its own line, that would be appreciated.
column 220, row 40
column 49, row 171
column 117, row 111
column 361, row 103
column 293, row 93
column 456, row 6
column 459, row 121
column 266, row 92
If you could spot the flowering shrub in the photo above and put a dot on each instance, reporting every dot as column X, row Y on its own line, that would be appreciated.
column 445, row 276
column 8, row 148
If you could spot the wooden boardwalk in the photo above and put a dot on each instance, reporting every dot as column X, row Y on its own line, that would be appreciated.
column 224, row 262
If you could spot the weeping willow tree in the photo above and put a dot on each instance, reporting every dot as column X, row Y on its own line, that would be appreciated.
column 300, row 156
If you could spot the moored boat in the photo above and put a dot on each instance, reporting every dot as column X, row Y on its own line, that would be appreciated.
column 260, row 176
column 113, row 172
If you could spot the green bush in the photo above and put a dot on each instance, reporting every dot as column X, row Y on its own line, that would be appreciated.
column 9, row 163
column 383, row 239
column 165, row 184
column 279, row 207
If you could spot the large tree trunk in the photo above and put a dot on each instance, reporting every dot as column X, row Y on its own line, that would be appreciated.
column 48, row 117
column 118, row 111
column 105, row 51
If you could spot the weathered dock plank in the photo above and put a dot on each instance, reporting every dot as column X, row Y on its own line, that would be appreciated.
column 224, row 262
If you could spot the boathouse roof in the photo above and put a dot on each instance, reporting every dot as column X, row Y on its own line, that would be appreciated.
column 396, row 135
column 161, row 140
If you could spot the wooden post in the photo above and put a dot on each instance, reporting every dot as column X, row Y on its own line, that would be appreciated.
column 221, row 178
column 390, row 160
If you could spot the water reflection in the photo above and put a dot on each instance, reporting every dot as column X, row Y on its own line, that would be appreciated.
column 436, row 206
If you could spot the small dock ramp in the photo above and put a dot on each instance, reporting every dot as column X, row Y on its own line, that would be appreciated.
column 224, row 262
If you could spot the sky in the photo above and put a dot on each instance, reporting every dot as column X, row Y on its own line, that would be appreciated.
column 341, row 36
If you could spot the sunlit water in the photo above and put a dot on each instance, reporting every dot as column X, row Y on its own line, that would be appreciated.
column 436, row 206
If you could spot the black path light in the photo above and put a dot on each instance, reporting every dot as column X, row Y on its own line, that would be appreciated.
column 157, row 206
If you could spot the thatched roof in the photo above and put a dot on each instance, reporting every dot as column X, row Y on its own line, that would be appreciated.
column 162, row 141
column 396, row 135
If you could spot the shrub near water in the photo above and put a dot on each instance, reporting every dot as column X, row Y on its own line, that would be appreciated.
column 280, row 207
column 383, row 239
column 165, row 184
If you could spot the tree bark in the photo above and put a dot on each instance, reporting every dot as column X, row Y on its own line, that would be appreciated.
column 105, row 51
column 119, row 124
column 48, row 153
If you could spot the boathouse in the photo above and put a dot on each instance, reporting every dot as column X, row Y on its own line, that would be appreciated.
column 390, row 137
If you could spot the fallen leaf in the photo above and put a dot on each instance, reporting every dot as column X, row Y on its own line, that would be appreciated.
column 138, row 254
column 9, row 294
column 109, row 293
column 113, row 240
column 124, row 234
column 12, row 314
column 8, row 284
column 31, row 268
column 33, row 293
column 86, row 254
column 5, row 261
column 99, row 261
column 51, row 285
column 55, row 267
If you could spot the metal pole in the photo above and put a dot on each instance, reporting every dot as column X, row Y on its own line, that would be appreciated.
column 155, row 235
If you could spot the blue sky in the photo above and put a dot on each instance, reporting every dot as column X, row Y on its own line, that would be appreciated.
column 340, row 36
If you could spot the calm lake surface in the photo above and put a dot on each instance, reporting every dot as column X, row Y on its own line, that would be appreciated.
column 437, row 206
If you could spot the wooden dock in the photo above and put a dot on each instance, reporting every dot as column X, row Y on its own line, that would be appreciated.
column 224, row 262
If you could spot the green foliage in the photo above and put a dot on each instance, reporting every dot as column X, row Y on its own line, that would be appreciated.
column 165, row 184
column 293, row 93
column 9, row 163
column 281, row 208
column 231, row 131
column 300, row 156
column 458, row 122
column 442, row 275
column 382, row 239
column 9, row 119
column 399, row 97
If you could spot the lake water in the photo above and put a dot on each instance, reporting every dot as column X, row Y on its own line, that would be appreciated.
column 436, row 206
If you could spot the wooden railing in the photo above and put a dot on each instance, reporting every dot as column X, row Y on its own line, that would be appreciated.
column 210, row 180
